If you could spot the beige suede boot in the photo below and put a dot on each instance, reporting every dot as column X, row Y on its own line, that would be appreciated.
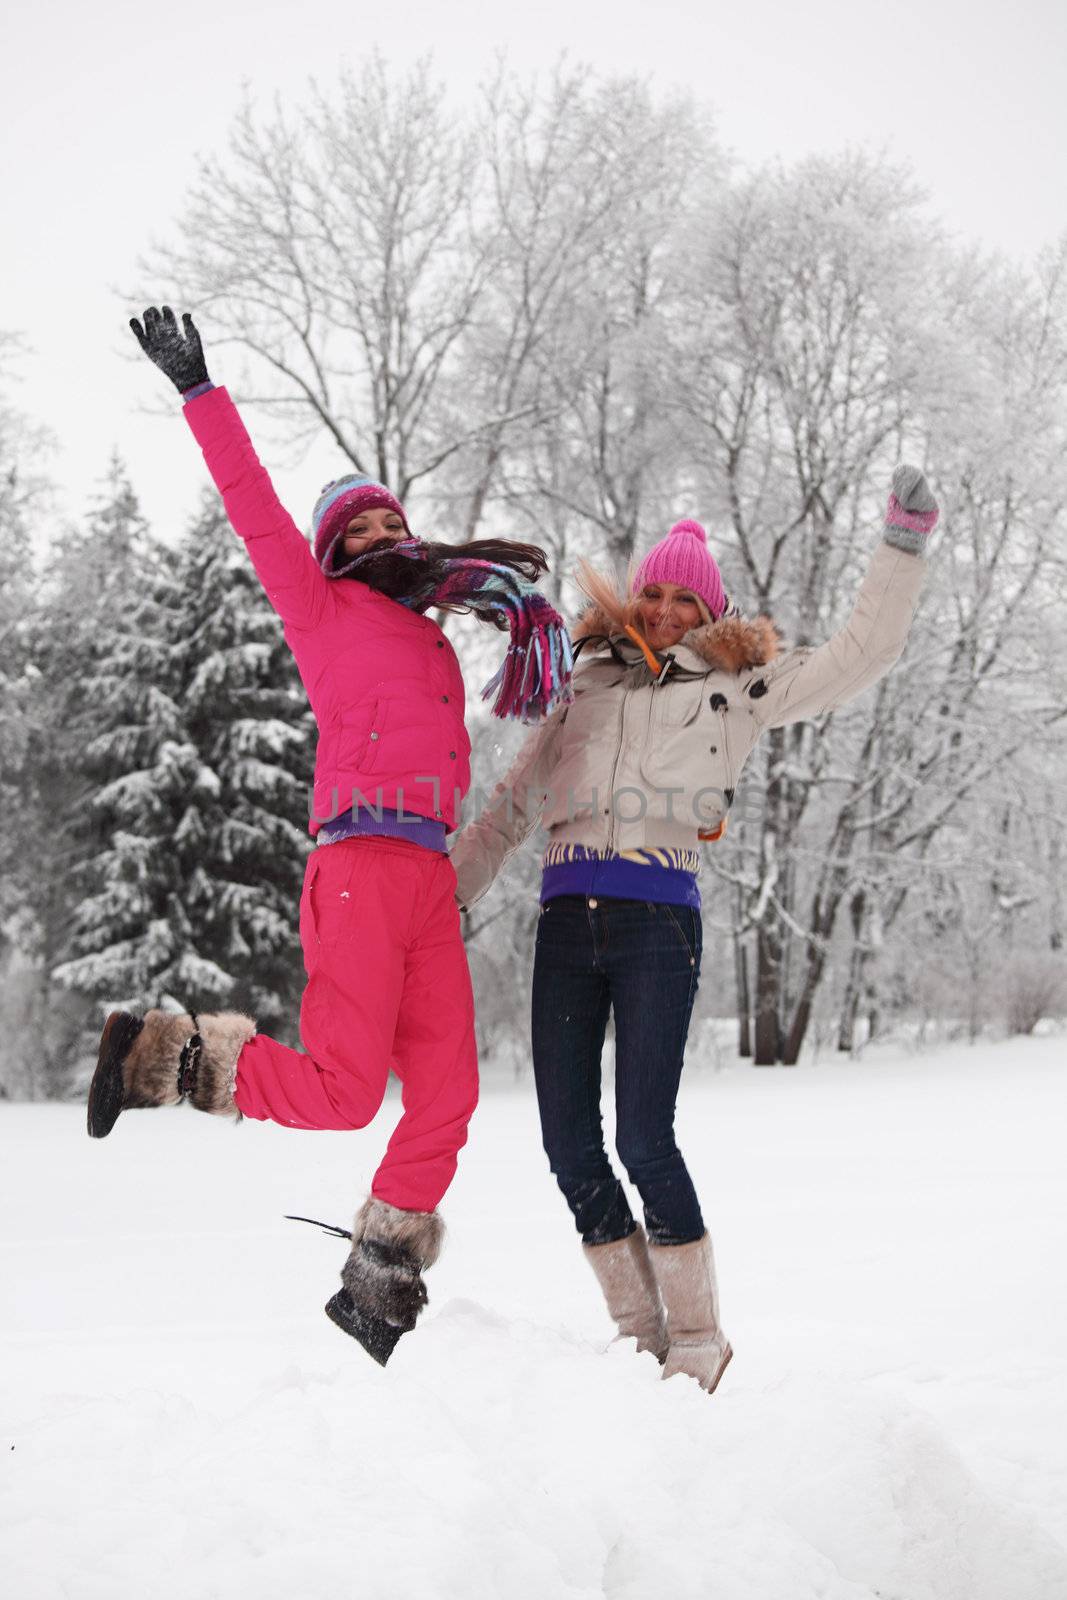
column 698, row 1347
column 163, row 1057
column 624, row 1273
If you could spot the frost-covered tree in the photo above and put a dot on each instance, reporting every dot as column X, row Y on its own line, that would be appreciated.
column 24, row 496
column 466, row 305
column 198, row 762
column 593, row 185
column 334, row 250
column 241, row 840
column 29, row 1031
column 109, row 661
column 87, row 593
column 977, row 728
column 809, row 339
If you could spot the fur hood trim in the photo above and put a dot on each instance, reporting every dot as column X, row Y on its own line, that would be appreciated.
column 730, row 645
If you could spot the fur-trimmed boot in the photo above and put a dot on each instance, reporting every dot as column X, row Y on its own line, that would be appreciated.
column 383, row 1289
column 163, row 1058
column 625, row 1275
column 697, row 1345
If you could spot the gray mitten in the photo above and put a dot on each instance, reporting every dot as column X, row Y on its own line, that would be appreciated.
column 912, row 512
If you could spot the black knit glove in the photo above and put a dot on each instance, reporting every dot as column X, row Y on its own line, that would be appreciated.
column 175, row 351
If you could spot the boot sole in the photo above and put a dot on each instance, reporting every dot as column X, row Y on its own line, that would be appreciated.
column 378, row 1338
column 107, row 1091
column 708, row 1388
column 727, row 1358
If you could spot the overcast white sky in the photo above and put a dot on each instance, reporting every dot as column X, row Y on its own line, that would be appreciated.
column 105, row 106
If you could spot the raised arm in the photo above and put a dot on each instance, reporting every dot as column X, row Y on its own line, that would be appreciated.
column 513, row 812
column 807, row 682
column 282, row 557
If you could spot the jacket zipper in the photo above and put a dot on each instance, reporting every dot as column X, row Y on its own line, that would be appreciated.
column 725, row 751
column 614, row 769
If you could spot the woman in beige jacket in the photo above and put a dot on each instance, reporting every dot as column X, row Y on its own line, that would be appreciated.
column 673, row 691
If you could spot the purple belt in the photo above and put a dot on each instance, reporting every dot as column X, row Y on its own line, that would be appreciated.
column 359, row 824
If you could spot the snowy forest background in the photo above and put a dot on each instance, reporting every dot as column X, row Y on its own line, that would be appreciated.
column 565, row 316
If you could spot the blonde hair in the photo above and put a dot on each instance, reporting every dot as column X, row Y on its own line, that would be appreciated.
column 605, row 591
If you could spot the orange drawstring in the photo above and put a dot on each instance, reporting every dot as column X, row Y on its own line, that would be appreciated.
column 649, row 654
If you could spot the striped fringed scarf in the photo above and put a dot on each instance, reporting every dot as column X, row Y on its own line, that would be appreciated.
column 535, row 675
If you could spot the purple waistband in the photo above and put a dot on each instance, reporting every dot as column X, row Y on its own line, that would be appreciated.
column 617, row 879
column 358, row 824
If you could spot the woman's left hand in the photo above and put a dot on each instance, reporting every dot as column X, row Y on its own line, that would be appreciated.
column 912, row 513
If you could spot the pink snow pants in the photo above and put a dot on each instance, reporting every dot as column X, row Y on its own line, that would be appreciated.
column 388, row 987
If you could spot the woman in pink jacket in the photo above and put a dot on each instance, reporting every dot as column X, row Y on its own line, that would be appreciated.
column 388, row 985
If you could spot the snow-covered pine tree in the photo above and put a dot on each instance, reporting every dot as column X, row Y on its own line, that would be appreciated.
column 197, row 754
column 16, row 597
column 36, row 1027
column 241, row 838
column 115, row 752
column 24, row 494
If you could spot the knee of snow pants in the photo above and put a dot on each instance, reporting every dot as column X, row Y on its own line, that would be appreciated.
column 388, row 990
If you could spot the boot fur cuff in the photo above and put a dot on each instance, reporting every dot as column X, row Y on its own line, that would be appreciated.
column 224, row 1035
column 419, row 1233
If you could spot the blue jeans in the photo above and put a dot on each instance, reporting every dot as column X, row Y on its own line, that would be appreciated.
column 643, row 962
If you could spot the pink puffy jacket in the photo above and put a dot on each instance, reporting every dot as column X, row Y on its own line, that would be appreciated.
column 384, row 683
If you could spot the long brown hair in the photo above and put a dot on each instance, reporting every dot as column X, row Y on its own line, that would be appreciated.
column 402, row 578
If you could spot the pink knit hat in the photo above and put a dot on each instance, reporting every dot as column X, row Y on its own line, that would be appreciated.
column 683, row 558
column 338, row 503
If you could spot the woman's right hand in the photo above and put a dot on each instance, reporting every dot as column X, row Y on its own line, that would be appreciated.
column 177, row 352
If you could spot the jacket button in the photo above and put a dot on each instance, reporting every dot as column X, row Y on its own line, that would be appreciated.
column 440, row 644
column 452, row 755
column 374, row 736
column 444, row 697
column 593, row 905
column 713, row 748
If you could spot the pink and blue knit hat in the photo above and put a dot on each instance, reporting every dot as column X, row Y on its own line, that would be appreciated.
column 683, row 558
column 342, row 500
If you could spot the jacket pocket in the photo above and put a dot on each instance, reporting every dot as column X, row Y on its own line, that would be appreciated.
column 364, row 734
column 337, row 914
column 676, row 703
column 673, row 734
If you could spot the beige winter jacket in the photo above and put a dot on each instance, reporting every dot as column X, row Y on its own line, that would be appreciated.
column 634, row 763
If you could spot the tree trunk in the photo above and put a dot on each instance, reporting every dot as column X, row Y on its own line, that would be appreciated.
column 846, row 1023
column 744, row 998
column 769, row 932
column 768, row 989
column 854, row 989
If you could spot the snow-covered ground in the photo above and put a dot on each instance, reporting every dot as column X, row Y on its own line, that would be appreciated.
column 180, row 1420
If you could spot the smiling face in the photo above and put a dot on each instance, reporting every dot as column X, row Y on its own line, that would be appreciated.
column 379, row 525
column 666, row 613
